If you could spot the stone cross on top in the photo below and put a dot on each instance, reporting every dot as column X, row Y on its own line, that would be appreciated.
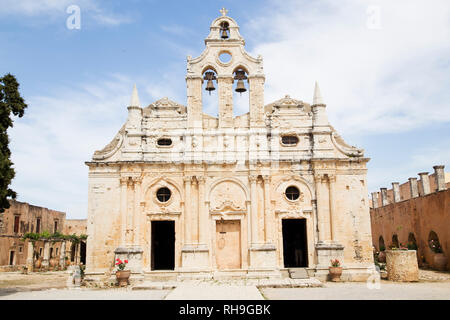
column 223, row 11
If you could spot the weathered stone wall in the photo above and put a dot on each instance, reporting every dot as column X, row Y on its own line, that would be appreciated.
column 418, row 216
column 75, row 226
column 28, row 215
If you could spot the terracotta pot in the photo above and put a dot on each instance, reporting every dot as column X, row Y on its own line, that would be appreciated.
column 67, row 262
column 382, row 257
column 335, row 273
column 122, row 277
column 440, row 261
column 38, row 263
column 52, row 262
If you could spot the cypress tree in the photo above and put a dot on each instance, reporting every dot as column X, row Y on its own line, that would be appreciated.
column 10, row 102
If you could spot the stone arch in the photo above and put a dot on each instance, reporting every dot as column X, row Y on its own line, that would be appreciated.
column 237, row 181
column 381, row 245
column 207, row 67
column 412, row 242
column 148, row 186
column 433, row 240
column 395, row 243
column 240, row 65
column 298, row 179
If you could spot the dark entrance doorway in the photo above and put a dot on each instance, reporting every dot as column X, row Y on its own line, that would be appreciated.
column 163, row 245
column 295, row 252
column 83, row 252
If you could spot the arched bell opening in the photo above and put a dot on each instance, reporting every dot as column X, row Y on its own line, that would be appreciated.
column 224, row 30
column 240, row 91
column 209, row 86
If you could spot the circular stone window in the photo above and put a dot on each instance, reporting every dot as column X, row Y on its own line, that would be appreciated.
column 225, row 57
column 292, row 193
column 163, row 194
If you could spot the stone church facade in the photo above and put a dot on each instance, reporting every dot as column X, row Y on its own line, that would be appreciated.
column 180, row 192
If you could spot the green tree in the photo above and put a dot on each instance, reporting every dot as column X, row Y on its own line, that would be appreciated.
column 10, row 102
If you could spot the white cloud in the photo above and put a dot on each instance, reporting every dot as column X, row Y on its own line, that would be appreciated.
column 92, row 9
column 392, row 79
column 58, row 134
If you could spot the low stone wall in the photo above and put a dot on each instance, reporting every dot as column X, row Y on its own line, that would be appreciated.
column 401, row 265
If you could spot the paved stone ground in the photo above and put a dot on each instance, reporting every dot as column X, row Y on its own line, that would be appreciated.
column 84, row 294
column 433, row 285
column 359, row 291
column 214, row 292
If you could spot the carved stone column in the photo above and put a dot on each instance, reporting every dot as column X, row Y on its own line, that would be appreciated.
column 254, row 208
column 333, row 216
column 268, row 220
column 30, row 254
column 187, row 211
column 425, row 183
column 123, row 210
column 396, row 191
column 202, row 215
column 323, row 207
column 46, row 258
column 62, row 254
column 137, row 210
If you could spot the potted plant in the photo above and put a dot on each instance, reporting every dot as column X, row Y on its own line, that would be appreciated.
column 122, row 275
column 335, row 270
column 66, row 261
column 439, row 259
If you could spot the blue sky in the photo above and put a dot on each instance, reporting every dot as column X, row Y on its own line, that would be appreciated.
column 385, row 77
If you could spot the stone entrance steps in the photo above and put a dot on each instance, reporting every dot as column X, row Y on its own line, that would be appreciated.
column 298, row 273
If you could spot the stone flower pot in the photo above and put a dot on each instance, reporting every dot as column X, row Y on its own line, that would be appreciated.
column 401, row 265
column 123, row 277
column 335, row 273
column 440, row 261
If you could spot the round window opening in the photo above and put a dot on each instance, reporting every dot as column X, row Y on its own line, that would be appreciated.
column 163, row 194
column 292, row 193
column 225, row 57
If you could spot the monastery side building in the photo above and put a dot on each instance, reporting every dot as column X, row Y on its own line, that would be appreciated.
column 182, row 192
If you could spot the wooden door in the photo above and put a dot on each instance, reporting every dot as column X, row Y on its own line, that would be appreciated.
column 228, row 244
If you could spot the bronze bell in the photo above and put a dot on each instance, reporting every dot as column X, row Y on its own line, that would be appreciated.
column 209, row 85
column 224, row 34
column 240, row 87
column 240, row 76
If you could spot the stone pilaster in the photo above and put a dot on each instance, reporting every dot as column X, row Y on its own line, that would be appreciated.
column 45, row 260
column 425, row 183
column 256, row 100
column 62, row 254
column 384, row 197
column 30, row 254
column 333, row 216
column 396, row 191
column 187, row 211
column 413, row 188
column 374, row 199
column 254, row 208
column 323, row 207
column 194, row 101
column 440, row 177
column 123, row 211
column 225, row 85
column 202, row 215
column 268, row 219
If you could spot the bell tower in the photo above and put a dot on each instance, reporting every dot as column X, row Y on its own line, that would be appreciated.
column 224, row 40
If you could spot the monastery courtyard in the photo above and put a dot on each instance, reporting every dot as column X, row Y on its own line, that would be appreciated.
column 432, row 285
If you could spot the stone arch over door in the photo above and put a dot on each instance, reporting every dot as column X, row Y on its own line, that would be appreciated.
column 228, row 205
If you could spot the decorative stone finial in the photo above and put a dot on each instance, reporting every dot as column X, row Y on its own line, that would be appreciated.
column 223, row 11
column 135, row 98
column 317, row 95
